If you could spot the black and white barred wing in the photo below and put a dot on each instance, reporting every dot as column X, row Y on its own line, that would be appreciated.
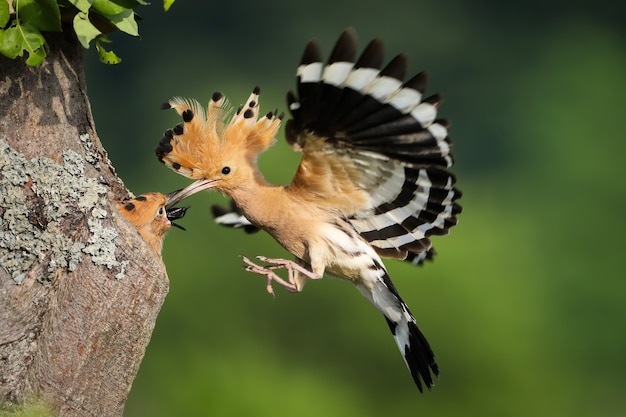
column 232, row 217
column 379, row 142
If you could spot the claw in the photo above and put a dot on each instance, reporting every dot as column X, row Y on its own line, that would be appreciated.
column 289, row 266
column 292, row 268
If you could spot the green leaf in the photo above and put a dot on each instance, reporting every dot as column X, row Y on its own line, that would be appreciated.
column 107, row 57
column 11, row 46
column 113, row 7
column 126, row 22
column 82, row 5
column 85, row 30
column 36, row 57
column 167, row 4
column 131, row 4
column 4, row 13
column 20, row 38
column 42, row 14
column 34, row 43
column 107, row 7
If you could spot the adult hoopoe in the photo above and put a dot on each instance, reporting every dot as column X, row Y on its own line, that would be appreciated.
column 153, row 214
column 372, row 182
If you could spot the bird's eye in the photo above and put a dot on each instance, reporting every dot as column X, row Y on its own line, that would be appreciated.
column 226, row 170
column 161, row 210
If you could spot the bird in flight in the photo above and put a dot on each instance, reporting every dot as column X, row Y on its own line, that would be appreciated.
column 373, row 180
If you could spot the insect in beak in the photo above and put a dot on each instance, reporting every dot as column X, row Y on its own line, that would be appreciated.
column 173, row 198
column 175, row 213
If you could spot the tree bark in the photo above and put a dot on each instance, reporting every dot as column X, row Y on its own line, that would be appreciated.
column 79, row 290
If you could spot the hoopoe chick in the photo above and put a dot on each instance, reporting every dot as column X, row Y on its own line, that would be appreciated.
column 153, row 214
column 373, row 180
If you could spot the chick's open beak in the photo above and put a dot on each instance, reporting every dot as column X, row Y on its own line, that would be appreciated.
column 174, row 213
column 173, row 198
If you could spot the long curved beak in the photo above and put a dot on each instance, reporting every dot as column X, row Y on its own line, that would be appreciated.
column 191, row 189
column 173, row 198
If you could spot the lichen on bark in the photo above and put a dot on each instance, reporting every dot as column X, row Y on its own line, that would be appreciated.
column 37, row 198
column 70, row 333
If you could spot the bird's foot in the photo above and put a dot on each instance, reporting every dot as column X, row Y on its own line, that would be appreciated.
column 294, row 270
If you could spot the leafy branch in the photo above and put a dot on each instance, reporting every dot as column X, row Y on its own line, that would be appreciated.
column 23, row 22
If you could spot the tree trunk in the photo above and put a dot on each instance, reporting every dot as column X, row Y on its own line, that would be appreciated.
column 79, row 290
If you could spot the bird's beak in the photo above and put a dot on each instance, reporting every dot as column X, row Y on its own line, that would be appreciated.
column 173, row 198
column 191, row 189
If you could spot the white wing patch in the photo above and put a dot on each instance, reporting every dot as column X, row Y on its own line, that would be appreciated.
column 310, row 73
column 337, row 72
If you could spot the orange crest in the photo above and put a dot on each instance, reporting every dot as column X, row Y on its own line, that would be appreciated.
column 192, row 148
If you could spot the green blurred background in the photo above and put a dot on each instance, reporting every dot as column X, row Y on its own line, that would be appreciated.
column 524, row 306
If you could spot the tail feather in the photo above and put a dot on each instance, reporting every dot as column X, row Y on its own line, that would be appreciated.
column 417, row 354
column 415, row 350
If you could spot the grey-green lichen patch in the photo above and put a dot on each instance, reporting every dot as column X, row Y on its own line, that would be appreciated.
column 101, row 244
column 91, row 154
column 123, row 265
column 39, row 199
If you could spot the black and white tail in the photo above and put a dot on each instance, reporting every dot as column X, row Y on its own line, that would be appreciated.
column 378, row 288
column 414, row 347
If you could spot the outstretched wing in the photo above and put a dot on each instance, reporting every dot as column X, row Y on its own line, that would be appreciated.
column 373, row 148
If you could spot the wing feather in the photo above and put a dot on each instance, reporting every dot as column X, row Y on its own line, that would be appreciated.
column 373, row 148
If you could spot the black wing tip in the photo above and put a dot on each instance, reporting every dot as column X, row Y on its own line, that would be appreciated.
column 345, row 47
column 418, row 82
column 434, row 99
column 312, row 53
column 396, row 68
column 363, row 119
column 346, row 42
column 348, row 35
column 218, row 211
column 420, row 258
column 372, row 56
column 165, row 106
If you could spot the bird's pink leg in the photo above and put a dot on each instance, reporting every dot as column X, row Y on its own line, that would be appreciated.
column 292, row 268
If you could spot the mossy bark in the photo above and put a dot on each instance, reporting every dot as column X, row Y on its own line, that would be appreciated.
column 79, row 290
